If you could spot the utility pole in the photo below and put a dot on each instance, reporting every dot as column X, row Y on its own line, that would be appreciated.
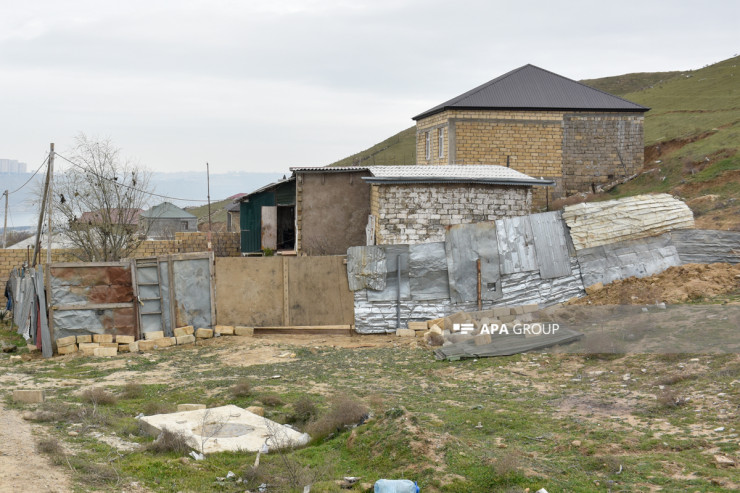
column 208, row 181
column 37, row 247
column 51, row 200
column 5, row 223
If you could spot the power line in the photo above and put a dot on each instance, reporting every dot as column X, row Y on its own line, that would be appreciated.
column 127, row 186
column 34, row 174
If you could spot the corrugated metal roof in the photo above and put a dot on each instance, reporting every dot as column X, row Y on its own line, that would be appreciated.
column 166, row 210
column 533, row 88
column 328, row 169
column 267, row 187
column 452, row 173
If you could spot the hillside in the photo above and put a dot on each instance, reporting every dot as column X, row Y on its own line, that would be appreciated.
column 692, row 138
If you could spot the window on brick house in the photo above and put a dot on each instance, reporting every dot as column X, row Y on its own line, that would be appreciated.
column 184, row 225
column 441, row 141
column 428, row 145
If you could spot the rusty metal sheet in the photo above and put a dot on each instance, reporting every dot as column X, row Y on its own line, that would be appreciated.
column 366, row 267
column 516, row 245
column 428, row 278
column 464, row 245
column 551, row 244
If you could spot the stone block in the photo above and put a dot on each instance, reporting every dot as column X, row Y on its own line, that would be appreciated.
column 244, row 331
column 186, row 339
column 66, row 341
column 203, row 333
column 121, row 339
column 87, row 348
column 133, row 347
column 85, row 338
column 437, row 321
column 482, row 339
column 436, row 329
column 507, row 319
column 190, row 407
column 102, row 337
column 517, row 310
column 417, row 325
column 105, row 351
column 405, row 333
column 164, row 342
column 67, row 349
column 145, row 345
column 29, row 396
column 109, row 344
column 150, row 336
column 501, row 311
column 531, row 308
column 226, row 330
column 123, row 348
column 184, row 331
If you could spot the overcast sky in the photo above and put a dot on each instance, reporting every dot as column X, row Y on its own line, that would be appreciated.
column 264, row 85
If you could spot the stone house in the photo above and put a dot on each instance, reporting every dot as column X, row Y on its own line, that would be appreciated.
column 166, row 219
column 538, row 123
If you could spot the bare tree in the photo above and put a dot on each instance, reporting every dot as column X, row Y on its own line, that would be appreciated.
column 98, row 199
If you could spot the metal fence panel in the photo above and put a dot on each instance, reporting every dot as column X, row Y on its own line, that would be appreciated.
column 428, row 278
column 516, row 245
column 366, row 267
column 464, row 245
column 551, row 244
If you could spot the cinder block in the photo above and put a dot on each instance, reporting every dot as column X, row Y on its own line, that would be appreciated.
column 67, row 349
column 150, row 336
column 225, row 329
column 145, row 345
column 163, row 342
column 190, row 407
column 184, row 331
column 29, row 396
column 121, row 339
column 84, row 339
column 482, row 339
column 66, row 341
column 244, row 331
column 405, row 333
column 203, row 333
column 102, row 337
column 105, row 351
column 417, row 325
column 186, row 339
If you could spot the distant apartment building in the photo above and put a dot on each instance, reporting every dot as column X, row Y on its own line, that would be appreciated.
column 12, row 166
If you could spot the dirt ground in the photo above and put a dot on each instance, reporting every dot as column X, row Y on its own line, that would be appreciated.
column 689, row 282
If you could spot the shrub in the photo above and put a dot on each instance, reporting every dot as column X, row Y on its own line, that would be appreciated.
column 344, row 412
column 98, row 396
column 304, row 410
column 132, row 391
column 170, row 441
column 242, row 388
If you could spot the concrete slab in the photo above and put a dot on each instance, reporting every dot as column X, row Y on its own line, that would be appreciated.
column 226, row 428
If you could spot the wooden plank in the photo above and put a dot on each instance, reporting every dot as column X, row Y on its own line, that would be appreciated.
column 308, row 329
column 93, row 306
column 319, row 291
column 250, row 291
column 286, row 293
column 47, row 347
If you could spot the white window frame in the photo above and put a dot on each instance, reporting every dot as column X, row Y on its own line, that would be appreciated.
column 428, row 144
column 441, row 142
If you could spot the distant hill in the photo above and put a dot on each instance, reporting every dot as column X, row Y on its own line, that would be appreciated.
column 397, row 150
column 621, row 85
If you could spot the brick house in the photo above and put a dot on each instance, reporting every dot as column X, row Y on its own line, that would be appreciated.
column 541, row 124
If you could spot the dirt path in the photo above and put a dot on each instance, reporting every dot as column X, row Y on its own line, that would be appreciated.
column 21, row 467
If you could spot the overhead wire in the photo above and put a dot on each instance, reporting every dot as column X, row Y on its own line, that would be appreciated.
column 127, row 186
column 46, row 159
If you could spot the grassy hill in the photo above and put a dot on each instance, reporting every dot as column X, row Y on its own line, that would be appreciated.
column 692, row 138
column 218, row 214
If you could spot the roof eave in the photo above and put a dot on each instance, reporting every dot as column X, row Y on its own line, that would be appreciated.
column 402, row 180
column 639, row 109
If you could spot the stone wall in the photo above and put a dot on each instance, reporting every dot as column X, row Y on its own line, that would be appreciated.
column 411, row 214
column 576, row 149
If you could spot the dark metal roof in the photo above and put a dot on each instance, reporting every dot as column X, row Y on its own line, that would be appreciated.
column 533, row 88
column 266, row 188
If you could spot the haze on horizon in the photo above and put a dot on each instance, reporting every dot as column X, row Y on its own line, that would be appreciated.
column 263, row 85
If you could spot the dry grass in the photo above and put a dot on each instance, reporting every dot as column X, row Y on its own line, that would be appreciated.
column 99, row 397
column 676, row 378
column 242, row 388
column 304, row 410
column 132, row 391
column 669, row 398
column 271, row 400
column 170, row 441
column 157, row 407
column 344, row 412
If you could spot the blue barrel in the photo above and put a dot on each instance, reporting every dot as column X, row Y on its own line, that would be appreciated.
column 395, row 486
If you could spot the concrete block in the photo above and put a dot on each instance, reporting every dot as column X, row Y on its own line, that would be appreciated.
column 190, row 407
column 417, row 325
column 150, row 336
column 87, row 348
column 184, row 331
column 225, row 330
column 203, row 333
column 244, row 331
column 164, row 342
column 186, row 339
column 120, row 339
column 85, row 338
column 105, row 351
column 66, row 341
column 145, row 345
column 102, row 337
column 67, row 349
column 405, row 333
column 482, row 339
column 29, row 396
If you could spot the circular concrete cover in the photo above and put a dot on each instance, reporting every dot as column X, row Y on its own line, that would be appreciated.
column 224, row 430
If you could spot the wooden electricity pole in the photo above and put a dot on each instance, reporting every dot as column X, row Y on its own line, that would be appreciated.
column 208, row 181
column 37, row 247
column 5, row 223
column 51, row 201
